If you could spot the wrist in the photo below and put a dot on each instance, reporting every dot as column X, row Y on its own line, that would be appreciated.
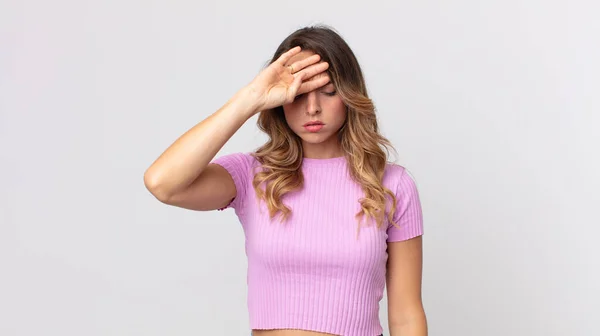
column 249, row 100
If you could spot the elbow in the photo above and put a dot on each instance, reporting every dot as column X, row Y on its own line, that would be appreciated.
column 155, row 185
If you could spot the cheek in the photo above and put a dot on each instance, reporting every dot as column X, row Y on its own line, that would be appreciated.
column 289, row 113
column 292, row 115
column 339, row 113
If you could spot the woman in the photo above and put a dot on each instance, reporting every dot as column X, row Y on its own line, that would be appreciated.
column 328, row 221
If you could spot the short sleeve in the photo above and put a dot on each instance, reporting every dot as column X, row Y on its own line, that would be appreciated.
column 238, row 165
column 408, row 215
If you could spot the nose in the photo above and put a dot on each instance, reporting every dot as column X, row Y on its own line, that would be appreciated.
column 313, row 106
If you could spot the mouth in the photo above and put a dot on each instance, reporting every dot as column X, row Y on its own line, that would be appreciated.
column 313, row 126
column 312, row 123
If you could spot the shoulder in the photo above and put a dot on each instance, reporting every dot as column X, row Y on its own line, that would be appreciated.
column 398, row 179
column 240, row 165
column 408, row 214
column 394, row 170
column 394, row 173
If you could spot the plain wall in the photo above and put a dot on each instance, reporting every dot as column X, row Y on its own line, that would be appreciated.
column 492, row 106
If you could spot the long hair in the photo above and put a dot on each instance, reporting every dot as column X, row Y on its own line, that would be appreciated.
column 365, row 149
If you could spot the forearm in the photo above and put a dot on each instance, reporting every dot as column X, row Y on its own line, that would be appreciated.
column 416, row 325
column 183, row 161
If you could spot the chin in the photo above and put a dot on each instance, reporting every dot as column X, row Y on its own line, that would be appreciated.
column 315, row 138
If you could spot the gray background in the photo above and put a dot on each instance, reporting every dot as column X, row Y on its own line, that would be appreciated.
column 493, row 106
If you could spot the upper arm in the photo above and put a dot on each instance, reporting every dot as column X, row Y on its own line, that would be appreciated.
column 223, row 183
column 405, row 253
column 213, row 189
column 408, row 218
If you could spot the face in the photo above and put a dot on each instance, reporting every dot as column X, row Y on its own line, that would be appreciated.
column 322, row 106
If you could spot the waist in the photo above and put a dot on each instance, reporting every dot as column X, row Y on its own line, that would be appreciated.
column 289, row 332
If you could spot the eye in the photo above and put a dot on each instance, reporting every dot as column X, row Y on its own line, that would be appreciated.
column 332, row 93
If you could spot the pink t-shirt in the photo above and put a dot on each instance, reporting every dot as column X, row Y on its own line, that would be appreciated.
column 316, row 271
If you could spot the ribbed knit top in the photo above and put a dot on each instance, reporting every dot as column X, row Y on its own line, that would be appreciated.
column 316, row 271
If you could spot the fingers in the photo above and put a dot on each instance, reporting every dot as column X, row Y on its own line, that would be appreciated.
column 287, row 55
column 295, row 87
column 315, row 69
column 315, row 75
column 313, row 84
column 299, row 65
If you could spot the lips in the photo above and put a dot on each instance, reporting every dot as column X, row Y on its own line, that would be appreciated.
column 313, row 126
column 313, row 123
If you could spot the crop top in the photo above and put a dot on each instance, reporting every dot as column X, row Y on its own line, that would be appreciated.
column 316, row 271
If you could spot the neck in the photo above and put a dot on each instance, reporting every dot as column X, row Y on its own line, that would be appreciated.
column 325, row 150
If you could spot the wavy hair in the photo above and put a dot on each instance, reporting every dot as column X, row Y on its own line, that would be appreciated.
column 365, row 149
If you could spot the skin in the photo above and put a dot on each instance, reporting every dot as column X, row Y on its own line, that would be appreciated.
column 323, row 105
column 406, row 315
column 182, row 175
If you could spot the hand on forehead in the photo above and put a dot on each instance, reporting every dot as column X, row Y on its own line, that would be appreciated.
column 305, row 62
column 320, row 75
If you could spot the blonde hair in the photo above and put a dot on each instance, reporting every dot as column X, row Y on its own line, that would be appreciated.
column 365, row 149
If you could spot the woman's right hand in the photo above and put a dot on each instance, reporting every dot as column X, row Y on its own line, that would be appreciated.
column 279, row 83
